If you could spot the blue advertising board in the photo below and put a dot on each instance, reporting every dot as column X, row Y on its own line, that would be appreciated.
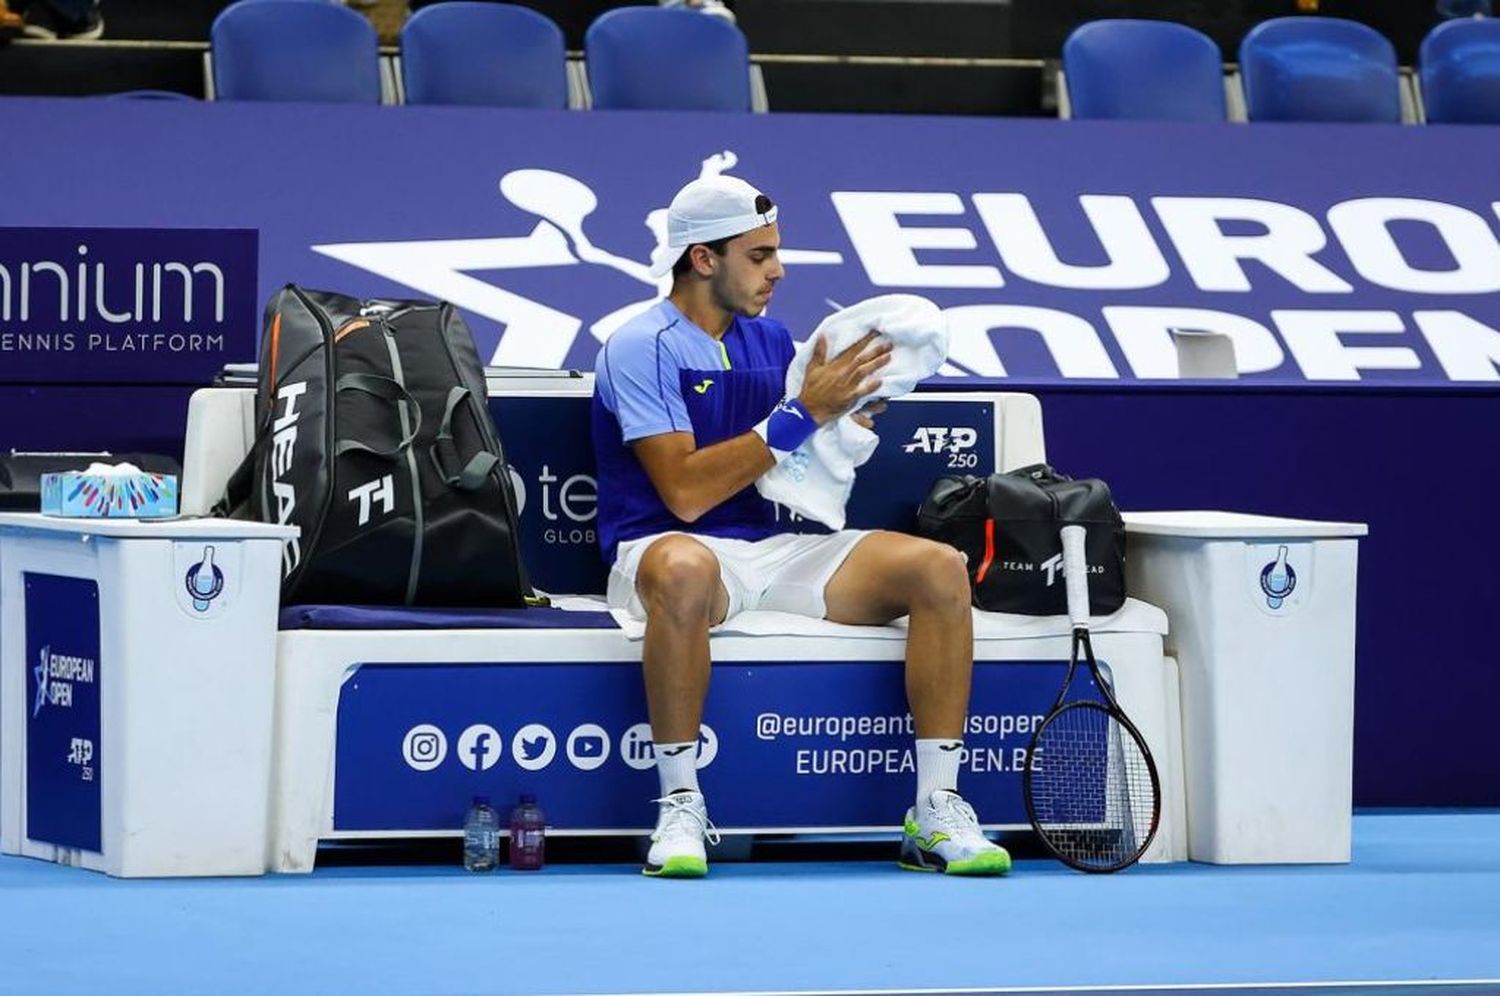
column 556, row 490
column 63, row 757
column 1059, row 251
column 142, row 305
column 783, row 745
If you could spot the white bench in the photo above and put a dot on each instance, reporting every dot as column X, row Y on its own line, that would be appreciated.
column 316, row 671
column 332, row 730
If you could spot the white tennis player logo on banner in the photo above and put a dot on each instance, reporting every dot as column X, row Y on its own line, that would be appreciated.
column 535, row 335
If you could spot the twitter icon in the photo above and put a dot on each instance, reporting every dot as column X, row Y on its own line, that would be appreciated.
column 534, row 747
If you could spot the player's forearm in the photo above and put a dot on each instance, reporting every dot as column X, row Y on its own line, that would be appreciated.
column 712, row 475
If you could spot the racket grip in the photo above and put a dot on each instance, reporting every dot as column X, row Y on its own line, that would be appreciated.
column 1076, row 575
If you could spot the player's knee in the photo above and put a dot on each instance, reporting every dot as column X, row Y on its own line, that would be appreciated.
column 678, row 578
column 942, row 577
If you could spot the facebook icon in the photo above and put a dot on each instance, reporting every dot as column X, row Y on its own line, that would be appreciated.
column 479, row 747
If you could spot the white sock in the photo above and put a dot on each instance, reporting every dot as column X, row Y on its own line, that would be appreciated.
column 677, row 765
column 937, row 767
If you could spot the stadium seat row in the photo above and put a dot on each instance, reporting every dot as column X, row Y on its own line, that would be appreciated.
column 502, row 55
column 490, row 54
column 1293, row 69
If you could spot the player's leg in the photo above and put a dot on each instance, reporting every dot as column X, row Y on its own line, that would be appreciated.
column 888, row 575
column 683, row 595
column 679, row 585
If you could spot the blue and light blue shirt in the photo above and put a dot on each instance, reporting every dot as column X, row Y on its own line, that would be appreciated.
column 661, row 373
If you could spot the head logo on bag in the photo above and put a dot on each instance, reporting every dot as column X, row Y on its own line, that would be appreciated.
column 283, row 442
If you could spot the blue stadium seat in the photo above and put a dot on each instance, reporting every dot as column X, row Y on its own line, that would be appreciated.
column 295, row 50
column 1460, row 72
column 492, row 54
column 1143, row 71
column 655, row 58
column 1319, row 69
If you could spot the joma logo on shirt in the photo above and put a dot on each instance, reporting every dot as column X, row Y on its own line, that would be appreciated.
column 703, row 387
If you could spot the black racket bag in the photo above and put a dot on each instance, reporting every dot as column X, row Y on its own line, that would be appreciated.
column 374, row 437
column 1009, row 526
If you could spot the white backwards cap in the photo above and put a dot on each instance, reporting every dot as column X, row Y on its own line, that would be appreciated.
column 710, row 208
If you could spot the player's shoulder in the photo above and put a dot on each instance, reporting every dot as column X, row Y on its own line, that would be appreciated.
column 646, row 327
column 643, row 333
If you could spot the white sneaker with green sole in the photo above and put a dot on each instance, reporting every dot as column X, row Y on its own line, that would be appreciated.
column 682, row 826
column 943, row 835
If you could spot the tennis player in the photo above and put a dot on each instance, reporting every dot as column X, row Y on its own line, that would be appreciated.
column 688, row 411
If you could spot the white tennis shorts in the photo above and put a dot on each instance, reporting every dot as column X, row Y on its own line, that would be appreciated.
column 785, row 573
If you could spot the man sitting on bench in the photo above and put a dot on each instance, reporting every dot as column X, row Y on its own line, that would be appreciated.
column 688, row 411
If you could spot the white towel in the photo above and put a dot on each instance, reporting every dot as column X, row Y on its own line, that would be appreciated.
column 815, row 479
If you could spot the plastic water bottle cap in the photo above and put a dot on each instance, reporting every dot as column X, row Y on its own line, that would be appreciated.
column 481, row 800
column 527, row 799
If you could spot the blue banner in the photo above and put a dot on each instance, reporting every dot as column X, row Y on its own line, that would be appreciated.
column 63, row 759
column 156, row 305
column 783, row 745
column 1060, row 251
column 553, row 474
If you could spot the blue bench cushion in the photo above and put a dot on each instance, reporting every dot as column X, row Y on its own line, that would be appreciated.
column 401, row 617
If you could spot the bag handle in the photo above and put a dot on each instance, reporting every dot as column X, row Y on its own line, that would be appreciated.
column 444, row 451
column 389, row 390
column 1038, row 473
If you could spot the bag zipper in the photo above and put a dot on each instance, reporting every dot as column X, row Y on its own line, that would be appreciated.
column 989, row 551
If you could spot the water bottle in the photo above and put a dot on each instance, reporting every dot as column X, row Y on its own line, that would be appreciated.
column 481, row 836
column 528, row 834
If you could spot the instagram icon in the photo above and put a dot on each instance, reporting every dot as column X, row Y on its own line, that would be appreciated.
column 424, row 747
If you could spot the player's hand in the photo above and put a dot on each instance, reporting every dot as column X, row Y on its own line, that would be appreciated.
column 831, row 387
column 866, row 415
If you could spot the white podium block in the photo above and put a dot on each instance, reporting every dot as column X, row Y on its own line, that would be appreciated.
column 1261, row 614
column 137, row 668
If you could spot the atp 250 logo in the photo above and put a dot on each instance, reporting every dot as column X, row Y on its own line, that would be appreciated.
column 956, row 442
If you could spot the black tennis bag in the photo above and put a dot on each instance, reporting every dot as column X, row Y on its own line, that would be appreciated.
column 374, row 437
column 1009, row 526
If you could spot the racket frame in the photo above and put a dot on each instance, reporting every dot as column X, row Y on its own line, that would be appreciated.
column 1075, row 577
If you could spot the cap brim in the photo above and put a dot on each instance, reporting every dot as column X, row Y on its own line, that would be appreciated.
column 663, row 258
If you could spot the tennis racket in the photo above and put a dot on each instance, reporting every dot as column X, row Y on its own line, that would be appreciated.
column 1091, row 788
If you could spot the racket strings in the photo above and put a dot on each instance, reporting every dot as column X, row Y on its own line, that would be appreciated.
column 1092, row 794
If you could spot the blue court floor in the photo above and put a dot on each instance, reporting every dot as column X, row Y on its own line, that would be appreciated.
column 1419, row 904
